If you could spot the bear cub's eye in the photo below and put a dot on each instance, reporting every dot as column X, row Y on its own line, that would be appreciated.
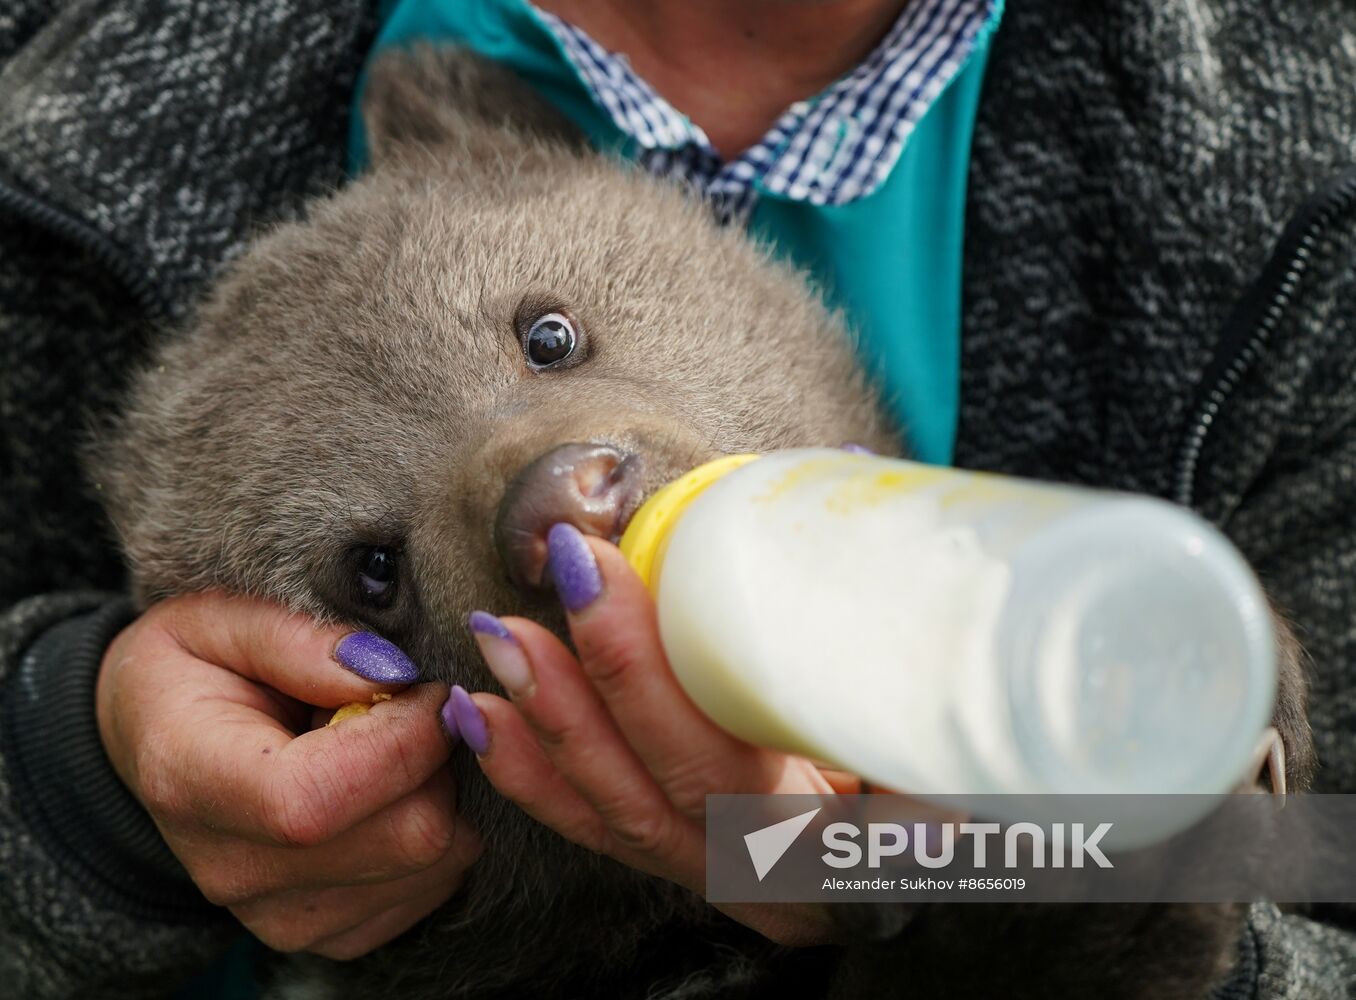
column 377, row 571
column 550, row 340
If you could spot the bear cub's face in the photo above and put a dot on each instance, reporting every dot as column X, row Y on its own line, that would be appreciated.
column 383, row 408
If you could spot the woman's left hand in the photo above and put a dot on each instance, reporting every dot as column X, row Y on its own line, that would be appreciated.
column 606, row 748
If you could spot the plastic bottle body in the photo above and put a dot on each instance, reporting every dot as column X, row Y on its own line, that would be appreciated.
column 943, row 632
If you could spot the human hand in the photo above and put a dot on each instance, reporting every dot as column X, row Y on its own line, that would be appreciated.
column 331, row 840
column 607, row 749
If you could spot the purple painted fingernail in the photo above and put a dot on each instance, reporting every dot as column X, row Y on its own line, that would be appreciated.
column 371, row 657
column 484, row 623
column 857, row 449
column 470, row 723
column 449, row 718
column 572, row 567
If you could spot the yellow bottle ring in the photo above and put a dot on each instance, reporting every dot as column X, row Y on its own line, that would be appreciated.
column 643, row 541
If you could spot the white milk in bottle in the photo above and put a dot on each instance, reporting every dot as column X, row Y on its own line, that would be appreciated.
column 942, row 632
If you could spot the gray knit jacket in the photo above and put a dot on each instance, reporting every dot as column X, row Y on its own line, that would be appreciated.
column 1160, row 295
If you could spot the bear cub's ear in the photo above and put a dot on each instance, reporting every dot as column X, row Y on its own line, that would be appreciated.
column 449, row 101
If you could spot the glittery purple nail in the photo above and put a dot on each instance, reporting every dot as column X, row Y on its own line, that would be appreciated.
column 371, row 657
column 470, row 723
column 487, row 624
column 857, row 449
column 449, row 718
column 572, row 567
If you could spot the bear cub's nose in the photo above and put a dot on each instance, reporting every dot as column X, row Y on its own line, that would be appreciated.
column 595, row 487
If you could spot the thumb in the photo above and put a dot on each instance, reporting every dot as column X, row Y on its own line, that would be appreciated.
column 324, row 665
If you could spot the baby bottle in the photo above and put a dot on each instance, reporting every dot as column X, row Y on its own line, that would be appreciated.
column 943, row 632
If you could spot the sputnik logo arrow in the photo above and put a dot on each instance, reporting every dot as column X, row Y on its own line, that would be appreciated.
column 766, row 846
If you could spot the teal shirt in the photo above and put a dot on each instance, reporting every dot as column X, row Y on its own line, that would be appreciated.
column 891, row 261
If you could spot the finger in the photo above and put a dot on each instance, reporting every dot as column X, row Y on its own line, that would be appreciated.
column 617, row 638
column 382, row 928
column 521, row 772
column 580, row 739
column 299, row 920
column 842, row 782
column 326, row 665
column 572, row 727
column 792, row 925
column 150, row 686
column 259, row 782
column 405, row 838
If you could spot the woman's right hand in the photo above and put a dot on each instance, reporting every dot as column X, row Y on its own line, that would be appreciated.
column 331, row 840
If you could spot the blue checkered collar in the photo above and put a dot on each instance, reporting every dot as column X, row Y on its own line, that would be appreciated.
column 830, row 150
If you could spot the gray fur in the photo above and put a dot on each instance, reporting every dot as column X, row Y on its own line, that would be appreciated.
column 357, row 379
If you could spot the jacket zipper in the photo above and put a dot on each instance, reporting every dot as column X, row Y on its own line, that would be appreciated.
column 133, row 277
column 1256, row 318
